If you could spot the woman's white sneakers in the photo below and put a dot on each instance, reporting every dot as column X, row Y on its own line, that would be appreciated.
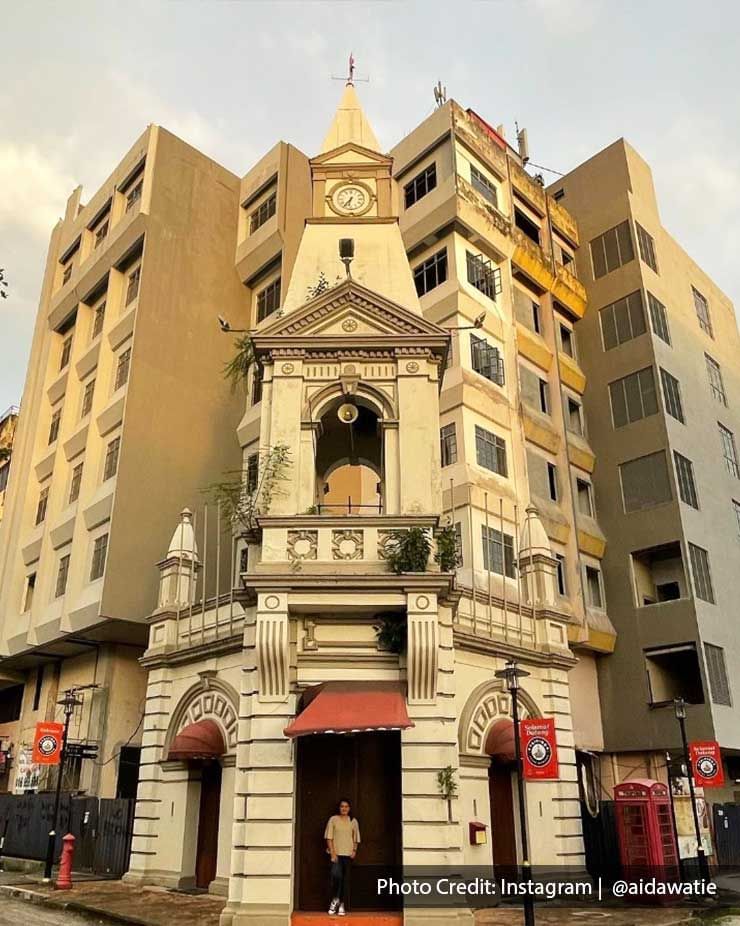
column 333, row 906
column 341, row 911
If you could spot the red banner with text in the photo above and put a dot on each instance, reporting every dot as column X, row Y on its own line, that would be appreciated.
column 539, row 748
column 706, row 762
column 47, row 743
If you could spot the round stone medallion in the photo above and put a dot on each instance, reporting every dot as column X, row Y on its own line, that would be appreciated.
column 287, row 368
column 271, row 602
column 412, row 366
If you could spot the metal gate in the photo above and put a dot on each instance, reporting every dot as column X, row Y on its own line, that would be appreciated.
column 600, row 841
column 726, row 819
column 102, row 829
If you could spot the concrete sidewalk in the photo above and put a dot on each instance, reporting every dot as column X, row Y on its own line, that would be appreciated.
column 148, row 906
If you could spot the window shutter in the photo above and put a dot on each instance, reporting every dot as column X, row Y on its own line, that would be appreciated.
column 645, row 482
column 717, row 672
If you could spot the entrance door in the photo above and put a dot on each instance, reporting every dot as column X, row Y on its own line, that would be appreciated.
column 365, row 768
column 210, row 801
column 503, row 834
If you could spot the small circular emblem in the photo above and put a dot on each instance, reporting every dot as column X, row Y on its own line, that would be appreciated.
column 48, row 745
column 272, row 601
column 539, row 751
column 412, row 366
column 422, row 602
column 287, row 368
column 350, row 369
column 349, row 324
column 707, row 767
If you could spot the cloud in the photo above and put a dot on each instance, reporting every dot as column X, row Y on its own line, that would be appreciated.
column 35, row 189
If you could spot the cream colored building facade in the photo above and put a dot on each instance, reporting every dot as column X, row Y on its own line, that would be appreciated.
column 660, row 347
column 123, row 393
column 230, row 801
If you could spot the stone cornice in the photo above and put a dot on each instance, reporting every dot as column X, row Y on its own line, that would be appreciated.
column 477, row 644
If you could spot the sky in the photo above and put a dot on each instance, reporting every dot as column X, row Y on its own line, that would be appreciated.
column 80, row 81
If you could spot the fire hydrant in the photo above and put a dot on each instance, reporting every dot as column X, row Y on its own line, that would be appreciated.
column 64, row 877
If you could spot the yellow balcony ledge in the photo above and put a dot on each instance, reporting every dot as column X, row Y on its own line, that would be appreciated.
column 533, row 347
column 571, row 375
column 531, row 259
column 580, row 454
column 600, row 641
column 591, row 542
column 540, row 430
column 569, row 290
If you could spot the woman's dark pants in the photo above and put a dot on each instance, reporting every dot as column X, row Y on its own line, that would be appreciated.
column 340, row 878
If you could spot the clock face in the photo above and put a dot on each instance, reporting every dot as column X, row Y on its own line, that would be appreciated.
column 350, row 199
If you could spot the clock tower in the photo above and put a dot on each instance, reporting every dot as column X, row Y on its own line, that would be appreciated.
column 353, row 196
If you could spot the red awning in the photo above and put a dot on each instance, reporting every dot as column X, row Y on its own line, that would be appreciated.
column 351, row 707
column 202, row 740
column 500, row 744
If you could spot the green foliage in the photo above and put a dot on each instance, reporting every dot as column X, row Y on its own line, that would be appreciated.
column 446, row 782
column 408, row 550
column 447, row 554
column 242, row 507
column 321, row 286
column 391, row 631
column 237, row 369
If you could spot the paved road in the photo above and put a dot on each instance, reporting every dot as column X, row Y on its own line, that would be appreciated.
column 16, row 912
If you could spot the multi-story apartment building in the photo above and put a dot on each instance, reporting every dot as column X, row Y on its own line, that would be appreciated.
column 434, row 379
column 123, row 406
column 8, row 423
column 660, row 348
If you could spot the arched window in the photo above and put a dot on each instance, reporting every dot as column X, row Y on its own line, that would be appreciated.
column 349, row 460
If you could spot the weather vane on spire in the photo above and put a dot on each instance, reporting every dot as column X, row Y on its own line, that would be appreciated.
column 351, row 74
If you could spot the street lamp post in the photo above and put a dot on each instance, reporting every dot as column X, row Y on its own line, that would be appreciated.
column 679, row 706
column 511, row 675
column 69, row 702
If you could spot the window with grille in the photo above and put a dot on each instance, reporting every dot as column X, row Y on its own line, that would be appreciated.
column 622, row 320
column 134, row 196
column 132, row 287
column 685, row 479
column 612, row 249
column 702, row 312
column 483, row 275
column 122, row 369
column 584, row 493
column 268, row 300
column 647, row 247
column 421, row 184
column 719, row 683
column 42, row 504
column 431, row 272
column 715, row 379
column 702, row 576
column 659, row 318
column 253, row 466
column 561, row 572
column 100, row 234
column 98, row 320
column 100, row 551
column 62, row 573
column 633, row 397
column 75, row 483
column 490, row 451
column 265, row 211
column 729, row 450
column 87, row 398
column 111, row 458
column 448, row 444
column 66, row 351
column 594, row 594
column 483, row 185
column 56, row 418
column 487, row 360
column 498, row 551
column 672, row 395
column 645, row 482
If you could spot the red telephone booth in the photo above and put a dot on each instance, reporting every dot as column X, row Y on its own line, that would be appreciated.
column 645, row 825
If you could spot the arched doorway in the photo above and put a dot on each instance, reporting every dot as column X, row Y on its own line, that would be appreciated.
column 349, row 459
column 201, row 746
column 500, row 747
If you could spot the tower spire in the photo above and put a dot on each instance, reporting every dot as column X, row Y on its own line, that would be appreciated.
column 350, row 123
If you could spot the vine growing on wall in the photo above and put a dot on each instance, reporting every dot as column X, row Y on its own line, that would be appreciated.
column 448, row 554
column 241, row 503
column 236, row 370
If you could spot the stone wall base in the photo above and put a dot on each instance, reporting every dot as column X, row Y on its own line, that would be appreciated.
column 255, row 915
column 158, row 878
column 421, row 916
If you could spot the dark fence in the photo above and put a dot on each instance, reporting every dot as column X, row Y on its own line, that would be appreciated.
column 102, row 829
column 600, row 841
column 726, row 819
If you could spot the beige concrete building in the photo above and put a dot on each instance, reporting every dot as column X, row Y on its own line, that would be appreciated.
column 660, row 348
column 455, row 307
column 123, row 409
column 8, row 424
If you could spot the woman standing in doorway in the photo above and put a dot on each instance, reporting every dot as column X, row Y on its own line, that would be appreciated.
column 342, row 836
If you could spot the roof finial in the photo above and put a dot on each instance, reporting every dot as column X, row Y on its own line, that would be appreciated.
column 351, row 74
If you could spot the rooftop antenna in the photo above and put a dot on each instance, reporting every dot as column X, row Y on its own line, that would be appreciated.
column 350, row 79
column 522, row 143
column 440, row 94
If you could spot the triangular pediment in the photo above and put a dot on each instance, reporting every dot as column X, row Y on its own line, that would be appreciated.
column 350, row 153
column 349, row 311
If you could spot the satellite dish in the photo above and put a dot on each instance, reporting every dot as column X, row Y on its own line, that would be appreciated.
column 347, row 413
